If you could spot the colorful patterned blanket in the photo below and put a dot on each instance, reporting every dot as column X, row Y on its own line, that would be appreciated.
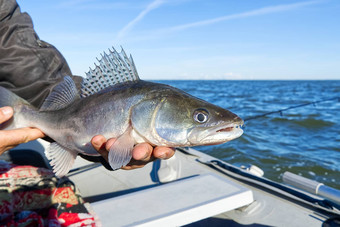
column 31, row 196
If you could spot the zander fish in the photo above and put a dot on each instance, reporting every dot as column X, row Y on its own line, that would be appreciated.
column 115, row 103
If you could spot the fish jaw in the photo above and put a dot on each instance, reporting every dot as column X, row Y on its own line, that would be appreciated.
column 216, row 135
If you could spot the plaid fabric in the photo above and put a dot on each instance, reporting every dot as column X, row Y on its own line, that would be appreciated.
column 31, row 196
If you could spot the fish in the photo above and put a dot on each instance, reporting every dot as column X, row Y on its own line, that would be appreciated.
column 114, row 102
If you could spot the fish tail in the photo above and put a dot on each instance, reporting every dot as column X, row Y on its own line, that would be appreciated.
column 20, row 106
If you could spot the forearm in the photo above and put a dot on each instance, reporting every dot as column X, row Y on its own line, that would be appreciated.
column 29, row 66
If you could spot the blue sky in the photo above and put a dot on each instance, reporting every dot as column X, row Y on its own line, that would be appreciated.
column 197, row 39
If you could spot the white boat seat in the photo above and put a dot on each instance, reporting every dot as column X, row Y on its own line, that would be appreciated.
column 174, row 204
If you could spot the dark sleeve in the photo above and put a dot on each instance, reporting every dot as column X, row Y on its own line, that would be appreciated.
column 29, row 66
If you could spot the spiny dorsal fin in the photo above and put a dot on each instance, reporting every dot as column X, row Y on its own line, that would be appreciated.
column 113, row 68
column 61, row 96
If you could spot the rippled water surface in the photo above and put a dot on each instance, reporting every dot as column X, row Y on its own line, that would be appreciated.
column 304, row 140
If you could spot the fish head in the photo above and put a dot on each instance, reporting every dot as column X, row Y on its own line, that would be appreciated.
column 213, row 125
column 191, row 122
column 180, row 119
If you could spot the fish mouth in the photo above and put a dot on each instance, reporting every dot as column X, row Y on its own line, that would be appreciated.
column 227, row 128
column 217, row 134
column 224, row 133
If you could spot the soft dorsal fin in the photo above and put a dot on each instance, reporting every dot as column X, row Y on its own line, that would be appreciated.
column 113, row 68
column 61, row 96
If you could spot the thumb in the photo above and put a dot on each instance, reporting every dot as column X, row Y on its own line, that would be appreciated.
column 5, row 113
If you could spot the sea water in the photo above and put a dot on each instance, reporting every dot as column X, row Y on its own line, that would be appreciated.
column 304, row 140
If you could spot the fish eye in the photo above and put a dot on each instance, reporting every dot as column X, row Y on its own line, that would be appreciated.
column 201, row 116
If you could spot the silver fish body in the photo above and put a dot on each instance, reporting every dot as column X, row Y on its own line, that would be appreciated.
column 132, row 111
column 158, row 114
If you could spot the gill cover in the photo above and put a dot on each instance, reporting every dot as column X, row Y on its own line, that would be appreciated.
column 142, row 119
column 162, row 122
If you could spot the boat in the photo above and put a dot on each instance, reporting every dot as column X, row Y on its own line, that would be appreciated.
column 195, row 189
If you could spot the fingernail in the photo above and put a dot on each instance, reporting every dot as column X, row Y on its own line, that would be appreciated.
column 7, row 111
column 163, row 155
column 167, row 154
column 95, row 143
column 146, row 156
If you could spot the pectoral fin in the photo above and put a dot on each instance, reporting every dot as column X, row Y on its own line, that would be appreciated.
column 120, row 152
column 60, row 158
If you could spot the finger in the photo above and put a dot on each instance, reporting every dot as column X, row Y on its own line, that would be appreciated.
column 21, row 135
column 12, row 138
column 5, row 113
column 142, row 152
column 163, row 152
column 99, row 143
column 131, row 166
column 141, row 155
column 109, row 143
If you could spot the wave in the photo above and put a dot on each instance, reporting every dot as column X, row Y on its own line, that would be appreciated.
column 303, row 140
column 308, row 123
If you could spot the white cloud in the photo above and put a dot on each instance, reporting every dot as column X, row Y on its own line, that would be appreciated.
column 257, row 12
column 153, row 5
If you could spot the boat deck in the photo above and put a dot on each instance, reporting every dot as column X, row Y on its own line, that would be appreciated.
column 188, row 172
column 194, row 189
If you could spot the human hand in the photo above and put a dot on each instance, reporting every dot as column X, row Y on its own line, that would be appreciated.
column 141, row 155
column 11, row 138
